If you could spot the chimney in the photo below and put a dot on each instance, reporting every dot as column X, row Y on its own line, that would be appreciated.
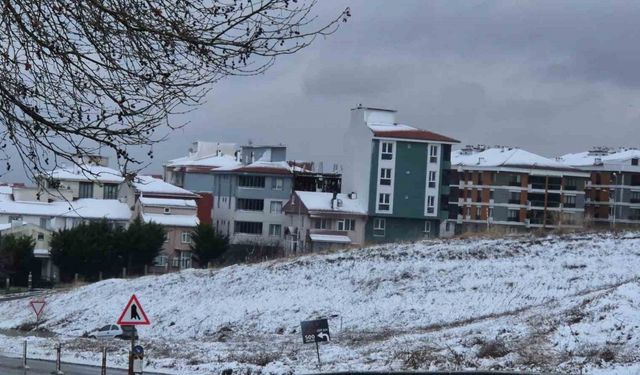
column 333, row 200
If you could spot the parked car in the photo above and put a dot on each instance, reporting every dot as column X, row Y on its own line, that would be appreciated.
column 114, row 331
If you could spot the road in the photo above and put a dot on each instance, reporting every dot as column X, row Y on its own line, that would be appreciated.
column 13, row 366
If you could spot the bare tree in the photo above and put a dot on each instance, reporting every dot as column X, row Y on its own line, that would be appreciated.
column 77, row 76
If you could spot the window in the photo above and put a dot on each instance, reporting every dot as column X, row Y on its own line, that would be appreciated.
column 85, row 190
column 276, row 207
column 245, row 204
column 431, row 202
column 433, row 154
column 44, row 223
column 385, row 176
column 40, row 236
column 387, row 151
column 379, row 227
column 13, row 218
column 635, row 197
column 427, row 227
column 383, row 202
column 478, row 212
column 432, row 179
column 347, row 224
column 167, row 210
column 251, row 181
column 569, row 200
column 490, row 213
column 323, row 224
column 277, row 183
column 275, row 230
column 491, row 193
column 161, row 260
column 513, row 215
column 634, row 161
column 248, row 227
column 110, row 191
column 185, row 237
column 514, row 197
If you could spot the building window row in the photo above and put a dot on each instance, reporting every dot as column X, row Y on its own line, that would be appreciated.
column 433, row 153
column 347, row 224
column 247, row 227
column 245, row 204
column 431, row 203
column 251, row 181
column 379, row 225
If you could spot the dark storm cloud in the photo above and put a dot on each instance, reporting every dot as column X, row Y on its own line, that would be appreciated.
column 551, row 76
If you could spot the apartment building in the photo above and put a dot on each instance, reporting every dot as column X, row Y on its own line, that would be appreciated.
column 613, row 188
column 513, row 189
column 400, row 171
column 320, row 221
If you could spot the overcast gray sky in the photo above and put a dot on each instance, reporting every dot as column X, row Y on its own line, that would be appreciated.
column 550, row 76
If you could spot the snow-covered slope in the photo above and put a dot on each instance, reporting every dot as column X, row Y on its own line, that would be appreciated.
column 525, row 303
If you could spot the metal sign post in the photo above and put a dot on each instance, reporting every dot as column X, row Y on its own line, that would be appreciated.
column 133, row 315
column 315, row 331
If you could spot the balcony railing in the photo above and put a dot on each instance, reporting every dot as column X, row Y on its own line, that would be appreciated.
column 569, row 205
column 537, row 203
column 515, row 183
column 513, row 219
column 571, row 187
column 537, row 186
column 514, row 201
column 635, row 200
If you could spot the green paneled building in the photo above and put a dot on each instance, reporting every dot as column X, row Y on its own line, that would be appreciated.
column 401, row 171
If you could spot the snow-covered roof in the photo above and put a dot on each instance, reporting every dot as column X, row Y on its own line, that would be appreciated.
column 152, row 185
column 172, row 220
column 82, row 208
column 41, row 253
column 318, row 201
column 329, row 238
column 504, row 157
column 407, row 132
column 605, row 157
column 5, row 227
column 212, row 161
column 266, row 167
column 166, row 202
column 88, row 172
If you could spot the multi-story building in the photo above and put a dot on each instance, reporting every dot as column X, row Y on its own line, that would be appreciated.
column 613, row 188
column 400, row 171
column 318, row 221
column 154, row 200
column 514, row 189
column 250, row 184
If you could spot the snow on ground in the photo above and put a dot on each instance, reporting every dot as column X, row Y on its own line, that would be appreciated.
column 552, row 303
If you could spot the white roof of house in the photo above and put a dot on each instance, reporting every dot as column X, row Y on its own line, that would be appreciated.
column 82, row 208
column 172, row 220
column 213, row 161
column 41, row 253
column 88, row 172
column 150, row 184
column 329, row 238
column 318, row 201
column 586, row 158
column 5, row 227
column 167, row 202
column 504, row 157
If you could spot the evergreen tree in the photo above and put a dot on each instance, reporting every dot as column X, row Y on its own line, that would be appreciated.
column 207, row 244
column 142, row 243
column 16, row 257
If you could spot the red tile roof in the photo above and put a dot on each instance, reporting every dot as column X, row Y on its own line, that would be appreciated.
column 423, row 135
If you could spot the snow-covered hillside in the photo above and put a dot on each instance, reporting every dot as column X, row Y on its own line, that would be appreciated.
column 559, row 303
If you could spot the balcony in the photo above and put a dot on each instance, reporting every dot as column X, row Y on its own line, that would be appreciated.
column 514, row 201
column 554, row 186
column 635, row 200
column 515, row 183
column 553, row 204
column 538, row 186
column 536, row 203
column 634, row 217
column 571, row 188
column 513, row 219
column 569, row 205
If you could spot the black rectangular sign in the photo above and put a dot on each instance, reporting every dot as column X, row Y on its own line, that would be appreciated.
column 315, row 331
